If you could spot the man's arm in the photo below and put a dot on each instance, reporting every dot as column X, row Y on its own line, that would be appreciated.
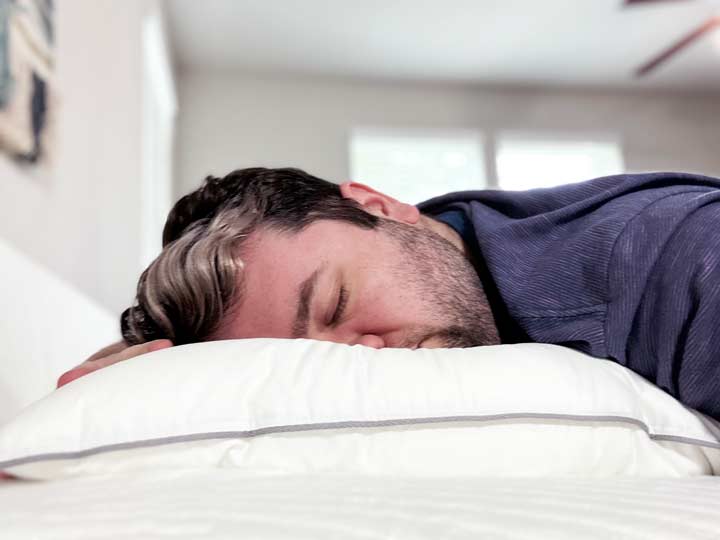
column 675, row 336
column 117, row 352
column 107, row 351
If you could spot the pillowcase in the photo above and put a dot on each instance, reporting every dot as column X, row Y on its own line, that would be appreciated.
column 270, row 406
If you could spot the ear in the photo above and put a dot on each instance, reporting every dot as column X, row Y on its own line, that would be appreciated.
column 379, row 204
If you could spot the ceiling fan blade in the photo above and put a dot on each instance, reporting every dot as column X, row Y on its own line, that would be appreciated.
column 640, row 2
column 676, row 47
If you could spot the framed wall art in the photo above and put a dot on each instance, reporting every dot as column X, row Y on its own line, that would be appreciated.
column 27, row 59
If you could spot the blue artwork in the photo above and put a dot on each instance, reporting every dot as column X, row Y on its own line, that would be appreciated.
column 27, row 39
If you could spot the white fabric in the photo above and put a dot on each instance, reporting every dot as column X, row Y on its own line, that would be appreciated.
column 46, row 327
column 301, row 406
column 225, row 504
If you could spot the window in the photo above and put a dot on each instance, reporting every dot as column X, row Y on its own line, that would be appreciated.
column 526, row 161
column 416, row 165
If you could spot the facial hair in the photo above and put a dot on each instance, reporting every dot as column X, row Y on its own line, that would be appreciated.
column 447, row 282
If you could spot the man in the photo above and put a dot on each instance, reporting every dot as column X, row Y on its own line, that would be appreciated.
column 621, row 267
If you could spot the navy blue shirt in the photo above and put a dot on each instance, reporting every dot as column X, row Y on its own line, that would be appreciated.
column 623, row 267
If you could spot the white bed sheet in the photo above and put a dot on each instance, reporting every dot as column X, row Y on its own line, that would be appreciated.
column 222, row 503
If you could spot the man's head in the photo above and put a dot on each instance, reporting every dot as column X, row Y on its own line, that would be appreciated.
column 280, row 253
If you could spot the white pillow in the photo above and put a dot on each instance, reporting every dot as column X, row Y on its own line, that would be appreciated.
column 298, row 406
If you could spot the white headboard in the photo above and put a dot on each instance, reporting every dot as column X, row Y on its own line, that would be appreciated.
column 46, row 327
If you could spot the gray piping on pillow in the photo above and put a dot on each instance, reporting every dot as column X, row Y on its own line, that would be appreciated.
column 349, row 424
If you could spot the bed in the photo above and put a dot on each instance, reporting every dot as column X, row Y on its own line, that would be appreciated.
column 324, row 441
column 225, row 504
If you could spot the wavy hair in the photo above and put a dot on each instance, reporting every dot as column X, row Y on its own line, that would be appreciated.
column 196, row 280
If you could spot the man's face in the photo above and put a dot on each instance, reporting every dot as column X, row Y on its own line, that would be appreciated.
column 405, row 284
column 400, row 285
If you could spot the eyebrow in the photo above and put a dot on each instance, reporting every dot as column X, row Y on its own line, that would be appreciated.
column 305, row 297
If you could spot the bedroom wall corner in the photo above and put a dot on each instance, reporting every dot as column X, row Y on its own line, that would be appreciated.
column 80, row 216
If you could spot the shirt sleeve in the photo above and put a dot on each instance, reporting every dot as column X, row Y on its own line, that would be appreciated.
column 674, row 337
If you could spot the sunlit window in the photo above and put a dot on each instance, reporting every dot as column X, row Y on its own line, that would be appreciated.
column 531, row 161
column 416, row 165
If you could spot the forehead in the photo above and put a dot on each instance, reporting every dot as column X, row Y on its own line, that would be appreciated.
column 280, row 251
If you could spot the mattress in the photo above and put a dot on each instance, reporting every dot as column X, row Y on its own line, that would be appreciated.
column 226, row 503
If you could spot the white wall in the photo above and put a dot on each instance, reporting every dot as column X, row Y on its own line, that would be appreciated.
column 82, row 218
column 230, row 120
column 50, row 328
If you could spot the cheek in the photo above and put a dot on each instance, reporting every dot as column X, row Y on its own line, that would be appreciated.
column 392, row 288
column 386, row 309
column 397, row 293
column 387, row 293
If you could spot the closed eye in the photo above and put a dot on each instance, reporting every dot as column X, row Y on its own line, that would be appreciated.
column 340, row 308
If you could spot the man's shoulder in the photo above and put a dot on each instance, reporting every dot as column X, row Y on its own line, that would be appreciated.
column 560, row 257
column 524, row 204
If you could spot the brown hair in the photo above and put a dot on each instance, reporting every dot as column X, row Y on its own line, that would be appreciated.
column 196, row 279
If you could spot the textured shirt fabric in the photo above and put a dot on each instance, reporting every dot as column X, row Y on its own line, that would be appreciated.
column 622, row 267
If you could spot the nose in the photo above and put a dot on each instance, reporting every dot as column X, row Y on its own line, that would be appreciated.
column 350, row 337
column 371, row 340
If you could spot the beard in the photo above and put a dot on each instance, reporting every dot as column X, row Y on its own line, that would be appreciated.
column 454, row 298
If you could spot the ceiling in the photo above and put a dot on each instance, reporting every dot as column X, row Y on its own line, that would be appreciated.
column 517, row 42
